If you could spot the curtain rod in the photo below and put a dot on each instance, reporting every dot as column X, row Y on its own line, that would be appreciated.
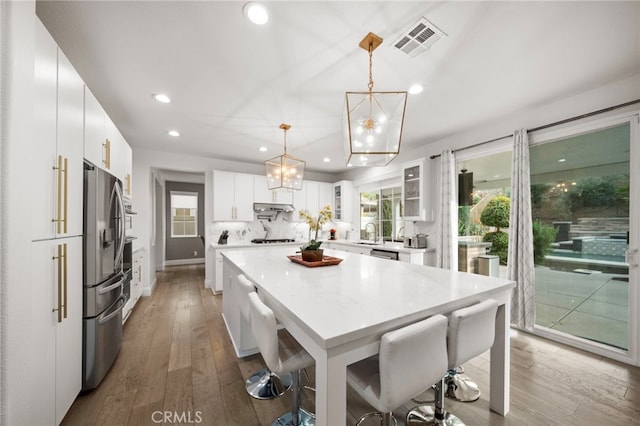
column 546, row 126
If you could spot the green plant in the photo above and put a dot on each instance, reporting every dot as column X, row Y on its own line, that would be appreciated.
column 499, row 244
column 496, row 213
column 543, row 237
column 314, row 225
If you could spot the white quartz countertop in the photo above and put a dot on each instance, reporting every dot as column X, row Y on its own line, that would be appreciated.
column 337, row 304
column 254, row 245
column 396, row 247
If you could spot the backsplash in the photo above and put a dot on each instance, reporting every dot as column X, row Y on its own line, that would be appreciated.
column 244, row 232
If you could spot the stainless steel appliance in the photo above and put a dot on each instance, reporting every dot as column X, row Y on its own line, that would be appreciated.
column 384, row 254
column 417, row 241
column 104, row 241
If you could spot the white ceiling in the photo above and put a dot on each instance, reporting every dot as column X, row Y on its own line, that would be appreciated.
column 232, row 83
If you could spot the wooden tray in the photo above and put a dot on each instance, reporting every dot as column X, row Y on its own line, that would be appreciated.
column 326, row 261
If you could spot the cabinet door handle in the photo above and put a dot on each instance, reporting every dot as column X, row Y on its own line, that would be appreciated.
column 66, row 193
column 58, row 218
column 65, row 276
column 107, row 153
column 59, row 307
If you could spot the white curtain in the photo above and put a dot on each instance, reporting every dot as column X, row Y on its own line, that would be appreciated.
column 447, row 224
column 520, row 262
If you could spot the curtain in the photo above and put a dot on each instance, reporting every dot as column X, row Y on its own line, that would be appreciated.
column 520, row 261
column 447, row 224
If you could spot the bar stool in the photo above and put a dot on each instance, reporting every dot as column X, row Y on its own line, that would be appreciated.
column 410, row 359
column 281, row 356
column 263, row 384
column 471, row 332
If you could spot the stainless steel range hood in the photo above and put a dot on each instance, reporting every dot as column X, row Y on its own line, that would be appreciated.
column 267, row 208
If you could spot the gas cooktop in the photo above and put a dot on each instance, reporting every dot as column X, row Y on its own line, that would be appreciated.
column 272, row 240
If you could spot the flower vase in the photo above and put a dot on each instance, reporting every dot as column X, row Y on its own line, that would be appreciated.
column 312, row 255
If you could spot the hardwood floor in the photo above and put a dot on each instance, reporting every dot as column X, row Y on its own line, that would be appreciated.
column 177, row 366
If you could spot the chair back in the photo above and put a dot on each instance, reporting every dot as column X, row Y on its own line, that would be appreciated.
column 411, row 359
column 471, row 331
column 243, row 288
column 265, row 331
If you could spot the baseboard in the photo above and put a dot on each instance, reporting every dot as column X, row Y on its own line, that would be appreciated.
column 149, row 291
column 178, row 262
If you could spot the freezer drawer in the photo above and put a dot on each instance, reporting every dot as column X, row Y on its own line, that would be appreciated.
column 101, row 340
column 100, row 297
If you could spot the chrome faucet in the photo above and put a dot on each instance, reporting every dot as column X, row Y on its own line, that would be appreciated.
column 400, row 231
column 375, row 230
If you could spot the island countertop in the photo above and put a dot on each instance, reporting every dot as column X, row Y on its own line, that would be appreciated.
column 339, row 313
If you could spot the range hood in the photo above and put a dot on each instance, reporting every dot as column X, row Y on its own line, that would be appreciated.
column 273, row 208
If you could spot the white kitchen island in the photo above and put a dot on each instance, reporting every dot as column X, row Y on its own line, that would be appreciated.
column 338, row 313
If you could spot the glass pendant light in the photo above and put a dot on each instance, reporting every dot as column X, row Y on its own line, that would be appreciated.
column 285, row 171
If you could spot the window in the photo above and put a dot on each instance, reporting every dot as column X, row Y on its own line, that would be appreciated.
column 382, row 209
column 184, row 214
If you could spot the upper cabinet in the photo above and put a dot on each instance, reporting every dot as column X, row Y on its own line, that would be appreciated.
column 104, row 145
column 262, row 193
column 313, row 196
column 416, row 194
column 343, row 200
column 232, row 196
column 56, row 189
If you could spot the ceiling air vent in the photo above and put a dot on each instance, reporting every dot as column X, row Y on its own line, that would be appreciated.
column 418, row 38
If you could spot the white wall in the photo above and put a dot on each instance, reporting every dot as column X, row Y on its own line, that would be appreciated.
column 17, row 39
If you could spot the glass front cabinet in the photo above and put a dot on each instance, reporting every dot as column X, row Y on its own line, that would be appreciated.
column 416, row 194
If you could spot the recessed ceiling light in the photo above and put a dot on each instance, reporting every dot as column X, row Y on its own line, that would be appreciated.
column 349, row 165
column 415, row 89
column 326, row 159
column 562, row 160
column 160, row 97
column 174, row 133
column 256, row 13
column 262, row 149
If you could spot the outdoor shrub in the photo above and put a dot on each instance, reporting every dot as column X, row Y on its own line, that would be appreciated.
column 543, row 236
column 496, row 213
column 499, row 244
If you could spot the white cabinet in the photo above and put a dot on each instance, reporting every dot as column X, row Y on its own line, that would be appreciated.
column 104, row 145
column 416, row 194
column 325, row 194
column 232, row 196
column 56, row 328
column 313, row 196
column 57, row 148
column 262, row 193
column 343, row 196
column 135, row 287
column 415, row 258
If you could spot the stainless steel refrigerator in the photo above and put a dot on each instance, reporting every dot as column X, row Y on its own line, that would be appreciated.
column 104, row 239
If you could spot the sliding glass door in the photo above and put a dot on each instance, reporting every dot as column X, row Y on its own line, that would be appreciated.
column 585, row 207
column 582, row 202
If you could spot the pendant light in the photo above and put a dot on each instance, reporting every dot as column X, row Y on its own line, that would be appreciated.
column 285, row 171
column 373, row 121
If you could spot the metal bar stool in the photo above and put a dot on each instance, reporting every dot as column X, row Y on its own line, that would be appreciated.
column 281, row 356
column 410, row 359
column 263, row 384
column 471, row 332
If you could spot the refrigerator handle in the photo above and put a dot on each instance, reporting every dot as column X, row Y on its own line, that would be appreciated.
column 122, row 224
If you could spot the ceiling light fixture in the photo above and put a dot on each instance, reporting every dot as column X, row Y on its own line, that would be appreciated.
column 262, row 149
column 174, row 133
column 415, row 89
column 256, row 13
column 285, row 171
column 160, row 97
column 373, row 122
column 326, row 159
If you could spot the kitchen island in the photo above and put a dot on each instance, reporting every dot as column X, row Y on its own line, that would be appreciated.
column 338, row 313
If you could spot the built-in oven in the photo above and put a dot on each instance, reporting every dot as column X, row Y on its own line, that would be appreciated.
column 384, row 254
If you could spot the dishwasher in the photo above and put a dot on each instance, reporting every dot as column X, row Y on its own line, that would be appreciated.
column 384, row 254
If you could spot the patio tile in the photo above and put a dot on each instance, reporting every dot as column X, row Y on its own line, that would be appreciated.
column 592, row 327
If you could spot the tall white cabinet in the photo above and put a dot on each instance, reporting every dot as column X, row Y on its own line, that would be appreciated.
column 56, row 233
column 232, row 196
column 416, row 191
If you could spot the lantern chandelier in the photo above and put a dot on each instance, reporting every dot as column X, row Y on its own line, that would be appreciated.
column 373, row 122
column 285, row 171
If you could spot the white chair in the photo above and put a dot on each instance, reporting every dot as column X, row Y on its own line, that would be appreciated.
column 281, row 356
column 410, row 359
column 263, row 384
column 471, row 332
